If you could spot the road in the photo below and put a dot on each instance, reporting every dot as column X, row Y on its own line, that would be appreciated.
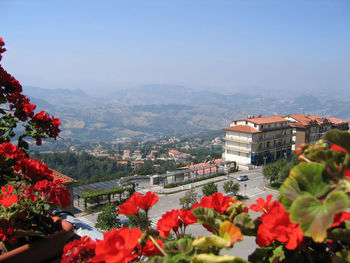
column 252, row 188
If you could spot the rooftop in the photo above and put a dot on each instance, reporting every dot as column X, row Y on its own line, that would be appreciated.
column 65, row 179
column 242, row 128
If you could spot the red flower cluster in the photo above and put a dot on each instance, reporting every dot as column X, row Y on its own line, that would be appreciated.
column 54, row 192
column 11, row 89
column 33, row 170
column 46, row 125
column 275, row 225
column 136, row 201
column 79, row 250
column 174, row 219
column 217, row 201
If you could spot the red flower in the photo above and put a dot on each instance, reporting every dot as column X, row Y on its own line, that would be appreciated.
column 147, row 201
column 79, row 250
column 335, row 147
column 136, row 201
column 275, row 225
column 216, row 201
column 129, row 207
column 7, row 198
column 150, row 248
column 169, row 221
column 347, row 174
column 34, row 170
column 340, row 218
column 117, row 246
column 187, row 217
column 261, row 205
column 54, row 192
column 9, row 150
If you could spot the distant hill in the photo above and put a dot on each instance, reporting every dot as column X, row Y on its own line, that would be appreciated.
column 158, row 110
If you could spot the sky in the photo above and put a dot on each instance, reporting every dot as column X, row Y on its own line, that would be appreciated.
column 218, row 45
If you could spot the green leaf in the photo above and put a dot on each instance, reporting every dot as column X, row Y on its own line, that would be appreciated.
column 339, row 138
column 208, row 217
column 278, row 254
column 315, row 217
column 340, row 234
column 342, row 257
column 245, row 223
column 210, row 258
column 183, row 245
column 305, row 177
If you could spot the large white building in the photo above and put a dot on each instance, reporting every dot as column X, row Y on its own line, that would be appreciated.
column 258, row 140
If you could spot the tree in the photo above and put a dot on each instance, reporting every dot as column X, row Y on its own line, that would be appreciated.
column 210, row 189
column 189, row 199
column 231, row 187
column 108, row 219
column 134, row 221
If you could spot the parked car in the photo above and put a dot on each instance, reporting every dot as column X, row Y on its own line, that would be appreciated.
column 242, row 177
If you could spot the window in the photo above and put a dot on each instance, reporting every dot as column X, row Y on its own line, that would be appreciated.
column 254, row 125
column 246, row 122
column 262, row 126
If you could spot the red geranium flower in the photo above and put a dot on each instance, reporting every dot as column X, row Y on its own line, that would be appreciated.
column 117, row 246
column 79, row 250
column 216, row 201
column 150, row 248
column 261, row 205
column 340, row 218
column 275, row 225
column 187, row 217
column 55, row 192
column 147, row 201
column 7, row 198
column 129, row 207
column 335, row 147
column 169, row 221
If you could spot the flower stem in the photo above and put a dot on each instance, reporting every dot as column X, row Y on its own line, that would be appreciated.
column 158, row 246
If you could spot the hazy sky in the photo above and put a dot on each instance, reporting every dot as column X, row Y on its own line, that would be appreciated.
column 202, row 44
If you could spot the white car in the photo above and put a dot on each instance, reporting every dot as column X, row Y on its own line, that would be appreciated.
column 242, row 177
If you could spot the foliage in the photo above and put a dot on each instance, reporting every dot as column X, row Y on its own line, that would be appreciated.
column 278, row 171
column 95, row 197
column 28, row 190
column 189, row 199
column 108, row 219
column 231, row 187
column 210, row 188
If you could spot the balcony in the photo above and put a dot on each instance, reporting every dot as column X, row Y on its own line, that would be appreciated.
column 278, row 136
column 238, row 139
column 277, row 147
column 237, row 148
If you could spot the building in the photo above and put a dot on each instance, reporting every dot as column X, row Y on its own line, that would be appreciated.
column 310, row 128
column 258, row 140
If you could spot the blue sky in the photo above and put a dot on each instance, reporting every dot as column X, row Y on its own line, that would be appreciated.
column 223, row 45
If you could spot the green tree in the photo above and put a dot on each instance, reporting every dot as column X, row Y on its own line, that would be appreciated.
column 209, row 189
column 108, row 219
column 231, row 187
column 189, row 199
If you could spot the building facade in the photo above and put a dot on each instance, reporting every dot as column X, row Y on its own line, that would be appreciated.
column 310, row 128
column 258, row 140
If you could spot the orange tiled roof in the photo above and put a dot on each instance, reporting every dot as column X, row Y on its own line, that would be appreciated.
column 242, row 128
column 65, row 179
column 301, row 119
column 265, row 120
column 335, row 120
column 316, row 118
